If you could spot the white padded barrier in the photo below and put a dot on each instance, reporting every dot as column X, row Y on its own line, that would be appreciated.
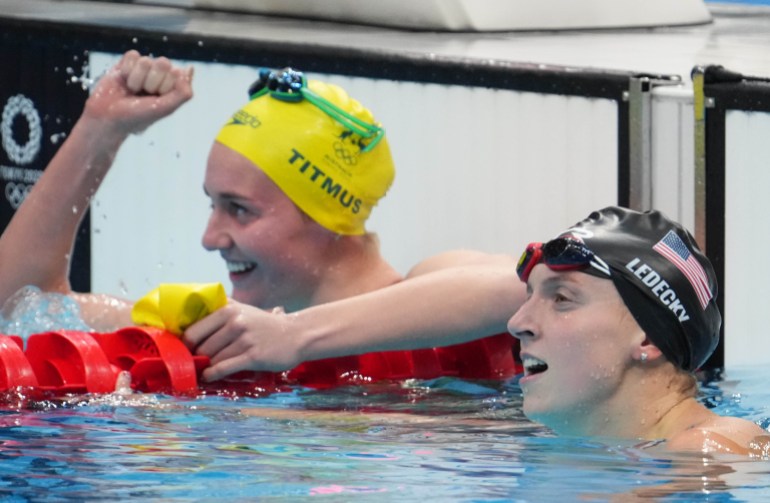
column 474, row 15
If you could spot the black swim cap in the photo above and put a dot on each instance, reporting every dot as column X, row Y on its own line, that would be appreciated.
column 664, row 279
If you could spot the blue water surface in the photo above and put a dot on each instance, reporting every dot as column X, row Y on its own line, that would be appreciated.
column 440, row 440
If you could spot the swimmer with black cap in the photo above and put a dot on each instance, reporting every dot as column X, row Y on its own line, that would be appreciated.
column 621, row 311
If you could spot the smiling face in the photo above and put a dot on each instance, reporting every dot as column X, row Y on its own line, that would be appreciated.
column 273, row 251
column 577, row 342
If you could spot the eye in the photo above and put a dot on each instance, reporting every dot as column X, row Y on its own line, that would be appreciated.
column 232, row 208
column 237, row 210
column 563, row 299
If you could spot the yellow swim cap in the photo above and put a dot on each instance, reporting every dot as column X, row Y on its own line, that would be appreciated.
column 320, row 146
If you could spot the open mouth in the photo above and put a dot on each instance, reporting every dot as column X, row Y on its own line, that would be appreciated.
column 533, row 366
column 240, row 267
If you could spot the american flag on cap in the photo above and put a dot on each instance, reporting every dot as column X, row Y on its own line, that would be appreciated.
column 675, row 251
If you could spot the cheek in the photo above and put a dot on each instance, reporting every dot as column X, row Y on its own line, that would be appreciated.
column 589, row 375
column 254, row 243
column 590, row 349
column 265, row 233
column 280, row 253
column 577, row 354
column 607, row 356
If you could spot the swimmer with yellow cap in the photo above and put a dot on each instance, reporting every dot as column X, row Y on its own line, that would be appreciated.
column 293, row 176
column 321, row 147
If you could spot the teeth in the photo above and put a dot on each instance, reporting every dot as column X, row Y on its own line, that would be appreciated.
column 534, row 365
column 239, row 266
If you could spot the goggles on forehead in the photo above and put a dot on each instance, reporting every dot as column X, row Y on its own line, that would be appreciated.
column 290, row 85
column 560, row 254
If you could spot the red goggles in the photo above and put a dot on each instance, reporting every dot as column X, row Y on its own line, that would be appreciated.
column 560, row 254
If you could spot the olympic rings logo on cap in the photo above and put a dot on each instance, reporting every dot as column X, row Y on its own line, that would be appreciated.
column 345, row 155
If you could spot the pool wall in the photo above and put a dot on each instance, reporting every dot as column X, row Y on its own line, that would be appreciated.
column 491, row 152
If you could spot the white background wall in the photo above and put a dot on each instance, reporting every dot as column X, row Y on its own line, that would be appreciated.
column 747, row 237
column 672, row 159
column 476, row 168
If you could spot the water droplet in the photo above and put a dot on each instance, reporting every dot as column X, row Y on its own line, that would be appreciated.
column 56, row 138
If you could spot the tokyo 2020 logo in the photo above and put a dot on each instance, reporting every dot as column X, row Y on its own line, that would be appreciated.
column 21, row 106
column 16, row 184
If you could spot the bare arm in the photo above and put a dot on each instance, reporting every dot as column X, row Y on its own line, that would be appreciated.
column 441, row 306
column 36, row 246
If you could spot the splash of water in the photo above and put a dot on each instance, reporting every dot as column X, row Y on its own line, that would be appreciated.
column 32, row 311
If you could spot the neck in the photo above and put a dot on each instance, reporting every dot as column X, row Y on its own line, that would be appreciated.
column 653, row 403
column 672, row 407
column 353, row 266
column 685, row 414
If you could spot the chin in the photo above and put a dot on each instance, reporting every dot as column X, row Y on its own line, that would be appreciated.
column 537, row 410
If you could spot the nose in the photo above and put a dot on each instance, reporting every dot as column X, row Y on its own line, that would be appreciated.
column 522, row 323
column 216, row 236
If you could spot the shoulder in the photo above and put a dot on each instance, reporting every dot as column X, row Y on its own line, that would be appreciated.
column 104, row 313
column 720, row 435
column 463, row 258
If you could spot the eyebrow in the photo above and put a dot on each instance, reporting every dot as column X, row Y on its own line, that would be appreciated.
column 227, row 196
column 557, row 280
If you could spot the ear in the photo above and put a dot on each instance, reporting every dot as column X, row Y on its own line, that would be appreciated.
column 646, row 347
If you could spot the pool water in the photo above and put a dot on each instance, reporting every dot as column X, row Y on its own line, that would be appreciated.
column 440, row 440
